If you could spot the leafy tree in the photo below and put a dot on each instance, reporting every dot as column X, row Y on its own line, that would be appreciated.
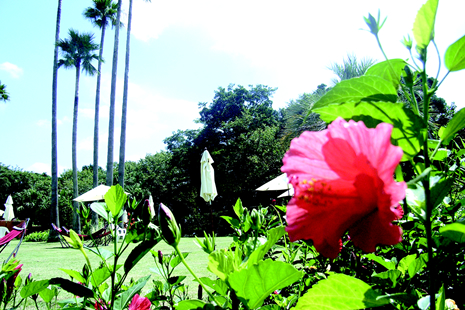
column 4, row 96
column 351, row 67
column 101, row 15
column 296, row 117
column 111, row 123
column 78, row 52
column 54, row 212
column 122, row 144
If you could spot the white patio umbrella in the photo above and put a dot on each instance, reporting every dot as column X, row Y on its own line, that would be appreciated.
column 9, row 214
column 207, row 176
column 94, row 194
column 279, row 183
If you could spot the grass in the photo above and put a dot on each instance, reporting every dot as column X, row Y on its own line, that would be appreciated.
column 44, row 260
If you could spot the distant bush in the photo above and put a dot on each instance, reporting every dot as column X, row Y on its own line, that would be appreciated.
column 38, row 236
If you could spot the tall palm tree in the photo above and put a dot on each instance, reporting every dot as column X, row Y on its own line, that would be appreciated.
column 4, row 96
column 122, row 144
column 101, row 15
column 77, row 52
column 111, row 123
column 54, row 212
column 351, row 67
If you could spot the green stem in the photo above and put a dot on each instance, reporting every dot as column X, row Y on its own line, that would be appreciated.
column 194, row 275
column 426, row 186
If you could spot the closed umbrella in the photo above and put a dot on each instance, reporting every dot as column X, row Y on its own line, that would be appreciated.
column 207, row 176
column 9, row 214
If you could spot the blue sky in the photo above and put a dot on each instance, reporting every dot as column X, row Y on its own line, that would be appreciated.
column 181, row 52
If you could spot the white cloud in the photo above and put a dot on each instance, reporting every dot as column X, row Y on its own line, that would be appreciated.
column 12, row 69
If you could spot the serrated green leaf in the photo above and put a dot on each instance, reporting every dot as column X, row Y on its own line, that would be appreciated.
column 33, row 288
column 455, row 55
column 390, row 70
column 340, row 292
column 177, row 260
column 407, row 126
column 223, row 262
column 423, row 27
column 190, row 304
column 99, row 276
column 255, row 283
column 454, row 231
column 100, row 209
column 115, row 198
column 273, row 235
column 455, row 124
column 364, row 88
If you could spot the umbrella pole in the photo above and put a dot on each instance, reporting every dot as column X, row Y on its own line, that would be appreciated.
column 211, row 216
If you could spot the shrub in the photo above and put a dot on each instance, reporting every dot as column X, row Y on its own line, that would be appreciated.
column 38, row 236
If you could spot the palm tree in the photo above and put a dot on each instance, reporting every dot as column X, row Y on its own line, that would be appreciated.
column 4, row 96
column 351, row 67
column 111, row 123
column 54, row 212
column 122, row 145
column 77, row 52
column 101, row 14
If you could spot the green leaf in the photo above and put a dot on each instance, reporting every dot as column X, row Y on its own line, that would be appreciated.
column 100, row 209
column 99, row 276
column 190, row 304
column 405, row 298
column 235, row 223
column 389, row 265
column 340, row 292
column 72, row 287
column 441, row 299
column 33, row 288
column 138, row 253
column 407, row 126
column 48, row 294
column 122, row 300
column 238, row 209
column 255, row 283
column 364, row 88
column 440, row 190
column 392, row 275
column 454, row 231
column 74, row 274
column 417, row 265
column 177, row 260
column 223, row 262
column 115, row 199
column 405, row 262
column 218, row 285
column 390, row 70
column 441, row 154
column 273, row 235
column 455, row 124
column 455, row 55
column 423, row 27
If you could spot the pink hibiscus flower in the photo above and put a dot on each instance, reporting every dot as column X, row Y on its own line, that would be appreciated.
column 343, row 180
column 139, row 303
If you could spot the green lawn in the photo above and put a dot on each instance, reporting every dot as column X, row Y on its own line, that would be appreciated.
column 43, row 260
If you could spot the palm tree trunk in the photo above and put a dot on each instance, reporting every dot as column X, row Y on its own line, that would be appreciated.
column 122, row 145
column 54, row 212
column 76, row 217
column 96, row 119
column 111, row 123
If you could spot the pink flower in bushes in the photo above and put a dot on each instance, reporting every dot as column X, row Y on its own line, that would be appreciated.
column 343, row 181
column 139, row 303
